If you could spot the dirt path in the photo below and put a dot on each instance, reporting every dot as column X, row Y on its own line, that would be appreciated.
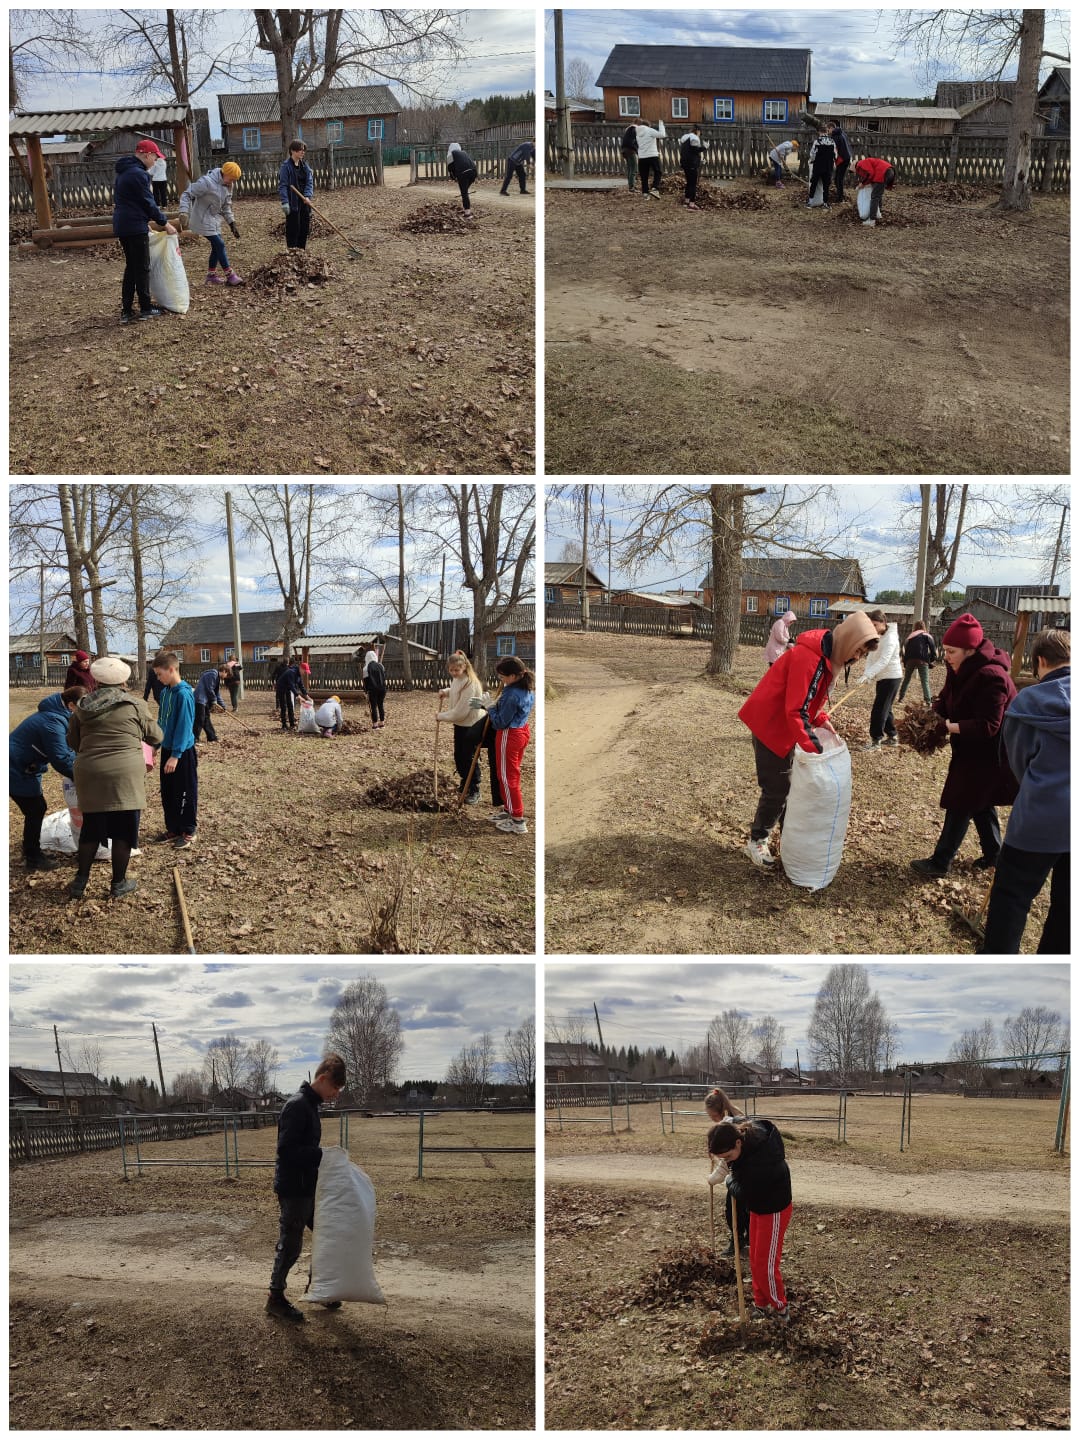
column 1005, row 1194
column 589, row 757
column 397, row 178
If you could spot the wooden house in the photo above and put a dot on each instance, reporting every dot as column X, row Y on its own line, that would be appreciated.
column 24, row 652
column 62, row 152
column 571, row 1064
column 1054, row 97
column 359, row 115
column 562, row 583
column 891, row 119
column 903, row 615
column 713, row 84
column 515, row 634
column 582, row 112
column 74, row 1093
column 208, row 639
column 984, row 106
column 772, row 585
column 440, row 637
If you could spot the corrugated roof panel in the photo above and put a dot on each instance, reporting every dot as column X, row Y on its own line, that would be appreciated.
column 84, row 122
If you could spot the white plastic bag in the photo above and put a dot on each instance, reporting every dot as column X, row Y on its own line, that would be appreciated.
column 344, row 1232
column 862, row 200
column 306, row 720
column 168, row 278
column 816, row 817
column 60, row 834
column 817, row 196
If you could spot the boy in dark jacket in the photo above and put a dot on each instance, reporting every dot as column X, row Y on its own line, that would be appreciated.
column 40, row 741
column 843, row 159
column 207, row 695
column 296, row 1175
column 759, row 1181
column 133, row 208
column 515, row 165
column 822, row 159
column 296, row 172
column 690, row 159
column 462, row 168
column 1035, row 733
column 628, row 146
column 289, row 684
column 920, row 652
column 179, row 758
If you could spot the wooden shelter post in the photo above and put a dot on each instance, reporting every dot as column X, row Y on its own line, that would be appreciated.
column 21, row 163
column 182, row 142
column 42, row 208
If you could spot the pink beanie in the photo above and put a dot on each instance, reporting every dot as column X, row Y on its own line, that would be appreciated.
column 965, row 633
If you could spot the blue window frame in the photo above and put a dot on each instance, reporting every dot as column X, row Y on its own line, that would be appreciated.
column 375, row 129
column 551, row 596
column 20, row 661
column 723, row 107
column 819, row 607
column 258, row 652
column 505, row 644
column 252, row 139
column 774, row 112
column 335, row 132
column 781, row 604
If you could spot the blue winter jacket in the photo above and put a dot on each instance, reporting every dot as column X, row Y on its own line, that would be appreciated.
column 302, row 176
column 176, row 716
column 133, row 199
column 1035, row 733
column 40, row 741
column 208, row 689
column 513, row 708
column 522, row 155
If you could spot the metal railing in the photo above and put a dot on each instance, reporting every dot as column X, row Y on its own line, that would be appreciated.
column 423, row 1149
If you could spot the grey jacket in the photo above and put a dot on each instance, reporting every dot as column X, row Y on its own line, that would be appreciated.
column 206, row 203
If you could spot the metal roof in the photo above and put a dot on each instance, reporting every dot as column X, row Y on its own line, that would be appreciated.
column 50, row 1082
column 889, row 112
column 53, row 641
column 1044, row 604
column 255, row 626
column 799, row 573
column 518, row 618
column 262, row 107
column 708, row 67
column 561, row 572
column 85, row 122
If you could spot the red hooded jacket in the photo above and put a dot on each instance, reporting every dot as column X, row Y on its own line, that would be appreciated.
column 872, row 170
column 790, row 696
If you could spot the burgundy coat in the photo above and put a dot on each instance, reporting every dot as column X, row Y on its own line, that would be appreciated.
column 976, row 697
column 75, row 676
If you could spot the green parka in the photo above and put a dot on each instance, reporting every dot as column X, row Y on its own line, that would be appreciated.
column 106, row 731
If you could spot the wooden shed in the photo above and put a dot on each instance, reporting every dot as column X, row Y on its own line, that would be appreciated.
column 892, row 119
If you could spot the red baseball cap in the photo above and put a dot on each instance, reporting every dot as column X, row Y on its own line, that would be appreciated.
column 147, row 147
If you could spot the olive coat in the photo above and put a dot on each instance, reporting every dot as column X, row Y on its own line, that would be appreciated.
column 106, row 731
column 976, row 697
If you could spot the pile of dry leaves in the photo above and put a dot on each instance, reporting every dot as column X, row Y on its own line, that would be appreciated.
column 680, row 1277
column 437, row 218
column 292, row 271
column 415, row 791
column 318, row 230
column 922, row 729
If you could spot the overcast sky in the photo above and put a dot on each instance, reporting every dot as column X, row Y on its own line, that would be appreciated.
column 500, row 58
column 209, row 592
column 854, row 50
column 866, row 521
column 670, row 1003
column 442, row 1007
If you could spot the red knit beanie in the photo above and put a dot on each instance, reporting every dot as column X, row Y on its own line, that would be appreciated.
column 965, row 633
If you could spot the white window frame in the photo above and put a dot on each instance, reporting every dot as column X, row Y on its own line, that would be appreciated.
column 229, row 652
column 625, row 101
column 205, row 656
column 20, row 661
column 251, row 130
column 751, row 605
column 719, row 100
column 684, row 113
column 819, row 608
column 65, row 658
column 335, row 132
column 781, row 604
column 778, row 119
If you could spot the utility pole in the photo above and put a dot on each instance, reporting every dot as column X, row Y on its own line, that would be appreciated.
column 235, row 602
column 161, row 1073
column 585, row 562
column 63, row 1086
column 1057, row 547
column 609, row 562
column 563, row 141
column 442, row 593
column 798, row 1067
column 919, row 608
column 603, row 1056
column 41, row 620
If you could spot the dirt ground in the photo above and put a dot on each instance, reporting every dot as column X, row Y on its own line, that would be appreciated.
column 794, row 341
column 911, row 1291
column 650, row 792
column 289, row 860
column 138, row 1304
column 416, row 358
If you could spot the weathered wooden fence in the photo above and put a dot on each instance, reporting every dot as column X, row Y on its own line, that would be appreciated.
column 741, row 150
column 43, row 1135
column 342, row 676
column 89, row 185
column 429, row 162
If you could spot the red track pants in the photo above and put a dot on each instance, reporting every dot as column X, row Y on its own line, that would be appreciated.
column 766, row 1247
column 509, row 748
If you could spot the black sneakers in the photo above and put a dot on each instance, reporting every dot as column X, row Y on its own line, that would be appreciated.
column 127, row 886
column 278, row 1305
column 41, row 861
column 330, row 1304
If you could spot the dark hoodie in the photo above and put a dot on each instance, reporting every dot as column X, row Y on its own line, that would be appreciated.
column 976, row 696
column 760, row 1178
column 1035, row 732
column 40, row 741
column 296, row 1169
column 133, row 199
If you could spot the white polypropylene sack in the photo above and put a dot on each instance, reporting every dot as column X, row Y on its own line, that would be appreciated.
column 306, row 720
column 816, row 817
column 862, row 199
column 344, row 1232
column 60, row 834
column 168, row 278
column 817, row 196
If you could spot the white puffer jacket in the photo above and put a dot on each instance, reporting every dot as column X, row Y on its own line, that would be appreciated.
column 205, row 203
column 885, row 663
column 646, row 140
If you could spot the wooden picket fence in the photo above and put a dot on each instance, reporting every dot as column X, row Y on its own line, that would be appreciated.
column 341, row 677
column 429, row 163
column 48, row 1135
column 736, row 151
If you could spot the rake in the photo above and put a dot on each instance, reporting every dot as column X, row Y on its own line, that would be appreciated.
column 354, row 253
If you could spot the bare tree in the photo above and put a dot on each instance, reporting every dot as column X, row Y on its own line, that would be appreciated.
column 173, row 52
column 769, row 1035
column 156, row 556
column 42, row 44
column 847, row 1022
column 890, row 1045
column 470, row 1072
column 986, row 43
column 1047, row 509
column 957, row 515
column 365, row 1030
column 313, row 49
column 569, row 1030
column 729, row 1037
column 519, row 1053
column 261, row 1066
column 1035, row 1031
column 580, row 79
column 225, row 1061
column 188, row 1085
column 974, row 1047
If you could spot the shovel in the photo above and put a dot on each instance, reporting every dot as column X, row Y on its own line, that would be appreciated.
column 354, row 253
column 738, row 1259
column 435, row 758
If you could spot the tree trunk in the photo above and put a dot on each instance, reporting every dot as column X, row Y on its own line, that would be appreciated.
column 1016, row 190
column 74, row 567
column 727, row 506
column 402, row 607
column 138, row 589
column 93, row 575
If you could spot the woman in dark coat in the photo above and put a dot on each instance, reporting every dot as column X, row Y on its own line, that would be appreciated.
column 759, row 1182
column 977, row 691
column 79, row 672
column 107, row 730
